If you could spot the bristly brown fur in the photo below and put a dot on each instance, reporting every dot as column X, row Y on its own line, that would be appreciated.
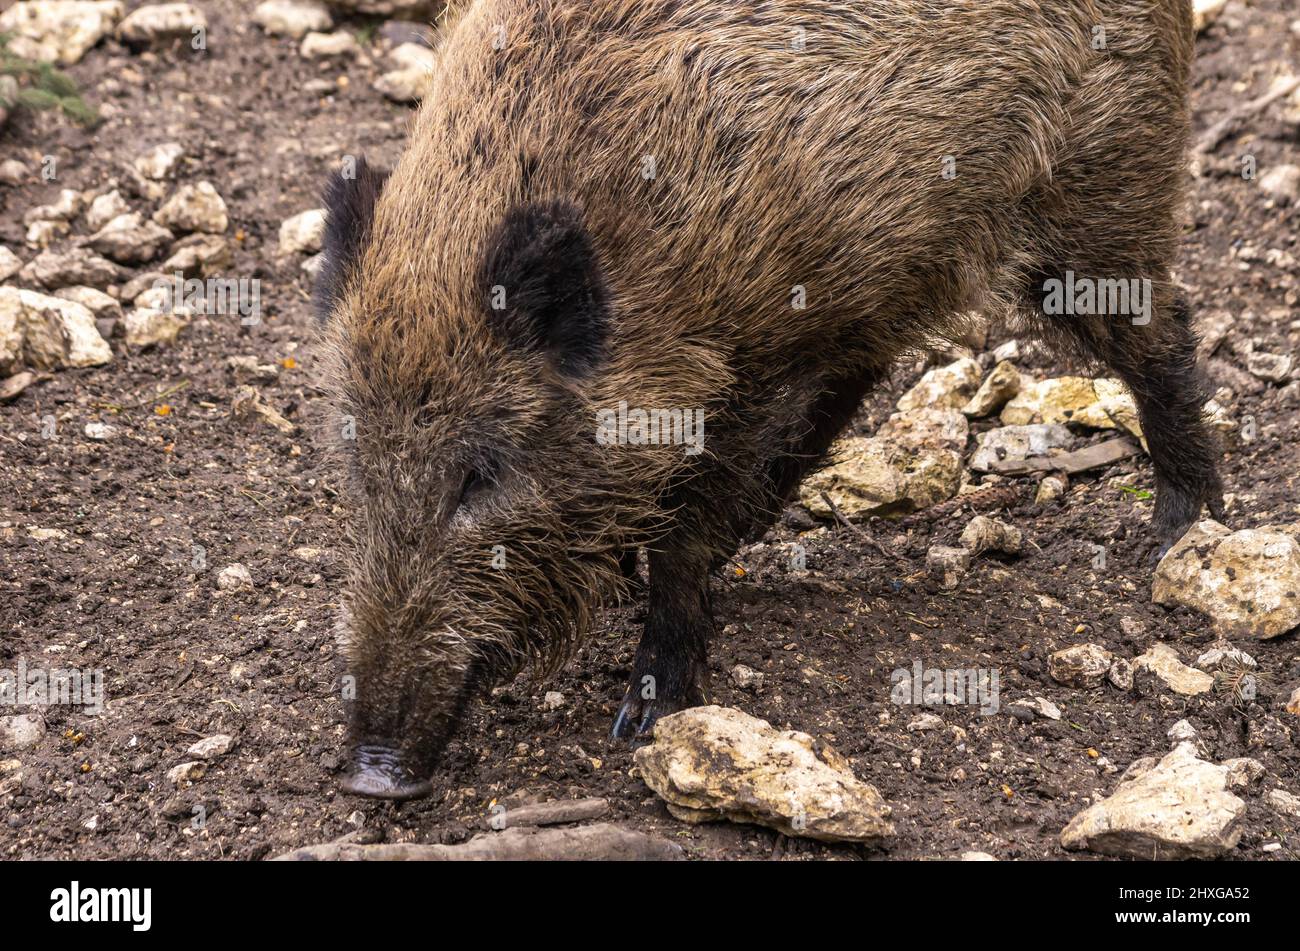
column 709, row 166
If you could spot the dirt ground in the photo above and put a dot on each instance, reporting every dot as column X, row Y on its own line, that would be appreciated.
column 183, row 660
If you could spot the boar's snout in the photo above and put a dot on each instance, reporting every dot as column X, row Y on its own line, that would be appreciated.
column 380, row 773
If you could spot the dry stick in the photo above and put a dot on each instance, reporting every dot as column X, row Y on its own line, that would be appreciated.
column 601, row 841
column 839, row 517
column 1216, row 133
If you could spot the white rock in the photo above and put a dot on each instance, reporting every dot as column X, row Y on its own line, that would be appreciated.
column 97, row 302
column 64, row 208
column 20, row 731
column 321, row 45
column 1098, row 404
column 130, row 239
column 211, row 747
column 194, row 208
column 42, row 233
column 162, row 21
column 13, row 172
column 1050, row 489
column 927, row 428
column 10, row 263
column 1162, row 660
column 1179, row 809
column 1243, row 772
column 1205, row 12
column 160, row 161
column 977, row 857
column 234, row 577
column 59, row 31
column 1182, row 732
column 711, row 763
column 105, row 208
column 948, row 563
column 1083, row 665
column 1283, row 802
column 950, row 387
column 186, row 773
column 925, row 722
column 999, row 386
column 553, row 700
column 405, row 85
column 1248, row 581
column 152, row 326
column 303, row 232
column 77, row 266
column 1010, row 443
column 747, row 678
column 1226, row 657
column 1282, row 182
column 1007, row 352
column 293, row 18
column 1041, row 706
column 983, row 534
column 100, row 432
column 55, row 333
column 1270, row 367
column 879, row 477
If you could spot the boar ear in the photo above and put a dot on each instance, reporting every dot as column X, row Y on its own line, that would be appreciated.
column 543, row 286
column 350, row 196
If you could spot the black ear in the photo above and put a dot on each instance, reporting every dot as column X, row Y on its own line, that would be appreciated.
column 543, row 287
column 350, row 196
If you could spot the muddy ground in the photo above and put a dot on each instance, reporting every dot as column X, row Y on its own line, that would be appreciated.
column 183, row 660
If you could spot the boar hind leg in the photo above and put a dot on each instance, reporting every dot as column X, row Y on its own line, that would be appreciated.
column 1156, row 358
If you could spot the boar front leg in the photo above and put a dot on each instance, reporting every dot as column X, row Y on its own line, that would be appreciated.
column 717, row 512
column 670, row 661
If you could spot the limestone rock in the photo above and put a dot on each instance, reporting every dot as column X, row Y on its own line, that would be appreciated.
column 878, row 477
column 1018, row 442
column 983, row 534
column 927, row 428
column 1247, row 581
column 1162, row 660
column 303, row 232
column 160, row 161
column 1178, row 809
column 104, row 208
column 130, row 239
column 950, row 386
column 78, row 266
column 999, row 386
column 58, row 31
column 55, row 333
column 1097, row 404
column 1083, row 665
column 711, row 763
column 194, row 208
column 161, row 21
column 293, row 18
column 409, row 82
column 153, row 326
column 323, row 45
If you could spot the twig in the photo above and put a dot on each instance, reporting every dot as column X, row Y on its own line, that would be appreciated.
column 856, row 530
column 1215, row 134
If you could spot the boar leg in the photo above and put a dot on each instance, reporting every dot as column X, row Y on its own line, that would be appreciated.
column 1157, row 361
column 671, row 659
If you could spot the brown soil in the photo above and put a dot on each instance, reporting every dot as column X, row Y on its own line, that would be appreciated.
column 184, row 660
